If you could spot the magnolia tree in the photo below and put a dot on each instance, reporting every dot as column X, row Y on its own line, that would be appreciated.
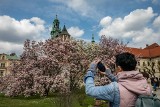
column 51, row 65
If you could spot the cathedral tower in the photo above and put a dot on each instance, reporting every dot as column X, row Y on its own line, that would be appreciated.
column 55, row 28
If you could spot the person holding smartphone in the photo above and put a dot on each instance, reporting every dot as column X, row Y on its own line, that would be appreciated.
column 125, row 86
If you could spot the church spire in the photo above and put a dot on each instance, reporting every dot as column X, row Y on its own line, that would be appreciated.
column 65, row 33
column 93, row 41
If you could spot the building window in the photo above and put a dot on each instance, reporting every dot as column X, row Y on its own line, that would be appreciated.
column 3, row 57
column 2, row 64
column 138, row 63
column 1, row 73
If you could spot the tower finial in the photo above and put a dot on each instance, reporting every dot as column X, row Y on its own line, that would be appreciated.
column 56, row 16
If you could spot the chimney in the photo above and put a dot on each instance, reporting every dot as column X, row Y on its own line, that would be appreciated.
column 147, row 45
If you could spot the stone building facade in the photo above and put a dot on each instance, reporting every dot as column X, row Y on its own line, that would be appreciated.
column 6, row 62
column 148, row 59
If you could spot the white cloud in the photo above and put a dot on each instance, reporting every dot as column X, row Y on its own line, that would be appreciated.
column 37, row 21
column 75, row 32
column 12, row 30
column 133, row 27
column 13, row 33
column 146, row 36
column 154, row 1
column 105, row 21
column 6, row 47
column 138, row 19
column 82, row 7
column 156, row 22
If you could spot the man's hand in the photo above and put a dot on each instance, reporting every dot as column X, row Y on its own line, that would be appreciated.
column 93, row 65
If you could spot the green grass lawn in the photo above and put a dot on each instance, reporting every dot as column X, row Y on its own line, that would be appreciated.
column 80, row 100
column 42, row 102
column 18, row 102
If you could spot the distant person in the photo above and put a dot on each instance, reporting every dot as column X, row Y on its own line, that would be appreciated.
column 159, row 81
column 152, row 80
column 124, row 88
column 155, row 83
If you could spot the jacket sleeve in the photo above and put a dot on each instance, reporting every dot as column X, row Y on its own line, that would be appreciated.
column 99, row 92
column 111, row 76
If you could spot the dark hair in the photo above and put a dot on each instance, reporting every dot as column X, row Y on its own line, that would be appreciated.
column 126, row 61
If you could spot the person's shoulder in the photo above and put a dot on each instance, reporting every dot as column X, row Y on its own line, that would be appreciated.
column 114, row 84
column 111, row 84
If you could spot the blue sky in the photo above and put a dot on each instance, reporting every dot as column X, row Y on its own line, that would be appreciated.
column 133, row 21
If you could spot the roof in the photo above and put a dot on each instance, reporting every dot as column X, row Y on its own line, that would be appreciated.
column 3, row 54
column 64, row 31
column 15, row 57
column 154, row 45
column 12, row 56
column 150, row 51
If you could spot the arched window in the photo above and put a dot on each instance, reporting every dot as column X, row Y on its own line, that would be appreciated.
column 3, row 57
column 1, row 73
column 2, row 64
column 158, row 62
column 144, row 64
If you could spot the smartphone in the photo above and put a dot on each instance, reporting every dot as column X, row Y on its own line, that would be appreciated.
column 101, row 67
